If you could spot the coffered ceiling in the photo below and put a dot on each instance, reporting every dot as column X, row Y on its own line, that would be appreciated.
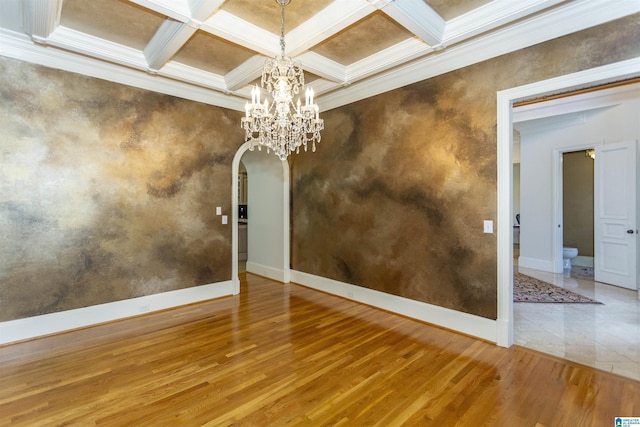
column 213, row 50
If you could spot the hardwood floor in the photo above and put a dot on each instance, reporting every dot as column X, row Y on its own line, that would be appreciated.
column 288, row 355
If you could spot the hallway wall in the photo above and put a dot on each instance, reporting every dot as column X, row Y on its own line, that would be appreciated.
column 616, row 119
column 266, row 212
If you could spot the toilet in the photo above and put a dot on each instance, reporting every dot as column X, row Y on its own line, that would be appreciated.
column 568, row 254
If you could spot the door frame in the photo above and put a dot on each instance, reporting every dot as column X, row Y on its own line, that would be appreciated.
column 557, row 236
column 505, row 99
column 235, row 169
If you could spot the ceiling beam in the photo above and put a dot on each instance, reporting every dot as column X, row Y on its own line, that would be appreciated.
column 385, row 59
column 329, row 21
column 417, row 17
column 23, row 49
column 565, row 19
column 174, row 9
column 229, row 27
column 167, row 40
column 245, row 73
column 40, row 18
column 200, row 7
column 323, row 67
column 172, row 35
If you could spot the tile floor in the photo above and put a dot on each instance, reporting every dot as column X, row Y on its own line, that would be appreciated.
column 604, row 336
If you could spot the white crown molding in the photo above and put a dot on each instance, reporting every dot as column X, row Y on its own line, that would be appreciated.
column 346, row 84
column 491, row 16
column 11, row 42
column 323, row 67
column 556, row 23
column 167, row 40
column 245, row 73
column 417, row 17
column 323, row 86
column 186, row 73
column 243, row 33
column 41, row 17
column 340, row 13
column 19, row 46
column 85, row 44
column 390, row 57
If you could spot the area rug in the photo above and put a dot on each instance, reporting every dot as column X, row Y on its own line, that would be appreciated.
column 529, row 289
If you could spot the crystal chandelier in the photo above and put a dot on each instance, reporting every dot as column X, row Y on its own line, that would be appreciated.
column 281, row 125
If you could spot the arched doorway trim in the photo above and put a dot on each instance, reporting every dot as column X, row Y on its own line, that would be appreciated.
column 234, row 218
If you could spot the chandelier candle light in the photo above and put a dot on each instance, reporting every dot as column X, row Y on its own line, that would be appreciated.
column 282, row 126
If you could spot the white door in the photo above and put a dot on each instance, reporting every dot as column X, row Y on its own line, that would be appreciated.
column 615, row 231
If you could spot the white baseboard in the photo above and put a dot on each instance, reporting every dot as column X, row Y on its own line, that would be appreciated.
column 583, row 261
column 455, row 320
column 272, row 273
column 46, row 324
column 538, row 264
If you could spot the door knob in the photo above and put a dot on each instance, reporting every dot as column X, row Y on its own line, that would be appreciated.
column 630, row 231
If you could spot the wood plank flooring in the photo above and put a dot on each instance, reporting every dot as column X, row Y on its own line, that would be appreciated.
column 288, row 355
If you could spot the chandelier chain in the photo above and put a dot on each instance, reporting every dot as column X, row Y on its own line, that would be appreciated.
column 282, row 44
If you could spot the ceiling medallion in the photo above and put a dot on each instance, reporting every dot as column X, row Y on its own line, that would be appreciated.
column 280, row 125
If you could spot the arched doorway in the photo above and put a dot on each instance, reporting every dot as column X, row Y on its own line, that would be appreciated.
column 268, row 215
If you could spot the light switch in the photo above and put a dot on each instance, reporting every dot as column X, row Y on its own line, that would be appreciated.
column 488, row 226
column 218, row 210
column 225, row 219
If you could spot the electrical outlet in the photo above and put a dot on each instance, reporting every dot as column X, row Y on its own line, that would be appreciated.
column 488, row 226
column 144, row 308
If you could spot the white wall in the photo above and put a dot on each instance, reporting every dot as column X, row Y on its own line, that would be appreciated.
column 516, row 192
column 266, row 214
column 556, row 126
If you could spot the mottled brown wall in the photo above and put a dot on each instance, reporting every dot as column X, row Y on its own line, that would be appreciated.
column 577, row 202
column 395, row 196
column 107, row 192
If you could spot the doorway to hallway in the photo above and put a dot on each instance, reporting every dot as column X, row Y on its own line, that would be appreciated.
column 620, row 71
column 267, row 215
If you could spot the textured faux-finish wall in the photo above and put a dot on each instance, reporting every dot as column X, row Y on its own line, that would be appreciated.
column 577, row 202
column 107, row 192
column 395, row 196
